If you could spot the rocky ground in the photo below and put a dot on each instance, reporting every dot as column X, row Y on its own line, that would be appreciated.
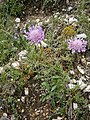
column 27, row 103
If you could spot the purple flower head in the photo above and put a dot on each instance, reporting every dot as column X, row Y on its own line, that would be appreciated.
column 77, row 45
column 35, row 34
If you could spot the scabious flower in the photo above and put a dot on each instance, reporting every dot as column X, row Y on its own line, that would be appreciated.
column 35, row 35
column 77, row 45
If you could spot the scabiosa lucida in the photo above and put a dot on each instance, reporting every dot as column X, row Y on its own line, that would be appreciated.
column 35, row 35
column 77, row 44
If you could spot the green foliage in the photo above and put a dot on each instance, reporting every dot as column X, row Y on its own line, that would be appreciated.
column 11, row 7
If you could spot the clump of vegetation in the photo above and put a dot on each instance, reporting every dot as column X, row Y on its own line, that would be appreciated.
column 41, row 59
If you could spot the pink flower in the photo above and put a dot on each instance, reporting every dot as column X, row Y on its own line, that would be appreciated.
column 35, row 34
column 77, row 45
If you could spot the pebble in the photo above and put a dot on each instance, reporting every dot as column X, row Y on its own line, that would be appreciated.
column 23, row 99
column 89, row 106
column 15, row 65
column 89, row 96
column 75, row 106
column 72, row 19
column 59, row 118
column 1, row 69
column 37, row 20
column 80, row 70
column 73, row 81
column 88, row 63
column 22, row 110
column 82, row 35
column 26, row 90
column 82, row 84
column 71, row 86
column 17, row 20
column 4, row 114
column 87, row 89
column 72, row 72
column 36, row 113
column 23, row 53
column 70, row 8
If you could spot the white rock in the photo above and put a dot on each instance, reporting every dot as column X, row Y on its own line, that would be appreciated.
column 75, row 106
column 70, row 8
column 26, row 90
column 89, row 106
column 18, row 100
column 87, row 89
column 47, row 21
column 88, row 63
column 23, row 53
column 22, row 110
column 89, row 97
column 1, row 69
column 4, row 114
column 43, row 44
column 87, row 77
column 72, row 19
column 66, row 20
column 83, row 35
column 74, row 24
column 82, row 78
column 37, row 20
column 55, row 16
column 73, row 81
column 71, row 86
column 57, row 13
column 82, row 84
column 17, row 20
column 15, row 65
column 88, row 19
column 23, row 99
column 59, row 118
column 11, row 79
column 72, row 72
column 80, row 70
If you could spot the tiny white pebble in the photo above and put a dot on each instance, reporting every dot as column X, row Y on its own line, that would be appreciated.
column 72, row 72
column 37, row 20
column 23, row 99
column 17, row 20
column 22, row 110
column 26, row 90
column 70, row 8
column 89, row 96
column 18, row 100
column 75, row 106
column 87, row 89
column 82, row 35
column 72, row 20
column 4, row 114
column 47, row 21
column 15, row 65
column 89, row 106
column 88, row 63
column 71, row 86
column 80, row 70
column 1, row 69
column 59, row 118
